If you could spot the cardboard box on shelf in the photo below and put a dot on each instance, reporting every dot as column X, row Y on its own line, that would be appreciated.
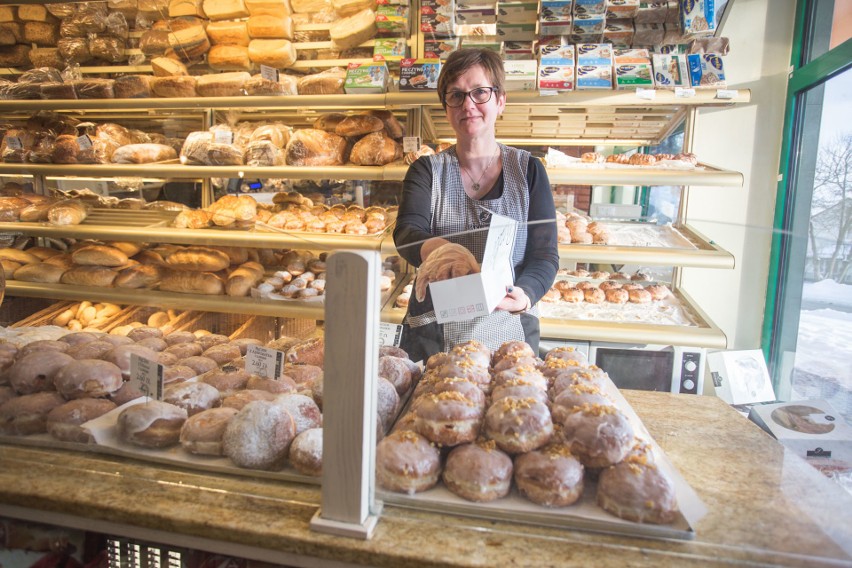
column 594, row 77
column 392, row 49
column 618, row 32
column 517, row 32
column 706, row 71
column 810, row 428
column 594, row 54
column 518, row 50
column 392, row 19
column 553, row 26
column 367, row 78
column 670, row 70
column 698, row 17
column 521, row 74
column 633, row 75
column 621, row 9
column 591, row 7
column 517, row 12
column 740, row 377
column 557, row 54
column 440, row 48
column 589, row 24
column 419, row 74
column 556, row 77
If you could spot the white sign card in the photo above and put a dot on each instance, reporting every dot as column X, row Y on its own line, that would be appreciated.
column 146, row 376
column 475, row 295
column 740, row 377
column 269, row 73
column 389, row 334
column 410, row 144
column 264, row 362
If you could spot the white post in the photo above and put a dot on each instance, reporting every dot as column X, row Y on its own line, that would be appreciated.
column 352, row 302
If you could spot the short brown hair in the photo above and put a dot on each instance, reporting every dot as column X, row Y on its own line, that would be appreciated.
column 460, row 61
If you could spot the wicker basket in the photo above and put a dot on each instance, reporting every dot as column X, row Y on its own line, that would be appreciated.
column 31, row 312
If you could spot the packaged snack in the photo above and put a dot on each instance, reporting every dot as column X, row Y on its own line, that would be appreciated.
column 419, row 74
column 706, row 71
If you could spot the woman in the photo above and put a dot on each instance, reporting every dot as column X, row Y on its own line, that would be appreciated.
column 448, row 197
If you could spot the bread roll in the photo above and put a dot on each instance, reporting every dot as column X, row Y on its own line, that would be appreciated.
column 312, row 147
column 89, row 276
column 228, row 33
column 278, row 53
column 260, row 86
column 375, row 149
column 270, row 27
column 223, row 84
column 99, row 255
column 192, row 282
column 167, row 67
column 198, row 259
column 353, row 30
column 225, row 9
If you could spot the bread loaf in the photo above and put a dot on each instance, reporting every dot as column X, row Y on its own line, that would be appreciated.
column 8, row 13
column 167, row 67
column 17, row 55
column 270, row 27
column 35, row 13
column 192, row 282
column 68, row 212
column 225, row 9
column 222, row 84
column 259, row 85
column 220, row 154
column 393, row 128
column 310, row 6
column 99, row 255
column 193, row 219
column 268, row 7
column 375, row 149
column 243, row 279
column 154, row 43
column 312, row 147
column 143, row 154
column 45, row 57
column 198, row 259
column 344, row 8
column 263, row 153
column 227, row 58
column 228, row 33
column 174, row 87
column 36, row 212
column 232, row 208
column 278, row 53
column 39, row 272
column 94, row 88
column 7, row 36
column 328, row 82
column 42, row 33
column 185, row 8
column 353, row 30
column 22, row 256
column 133, row 87
column 190, row 44
column 138, row 276
column 88, row 276
column 358, row 125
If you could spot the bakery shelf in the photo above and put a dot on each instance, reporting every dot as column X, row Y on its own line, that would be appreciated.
column 223, row 304
column 153, row 227
column 704, row 174
column 706, row 254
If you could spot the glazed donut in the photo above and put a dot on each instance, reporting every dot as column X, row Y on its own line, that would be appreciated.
column 478, row 472
column 151, row 424
column 396, row 370
column 631, row 286
column 302, row 374
column 281, row 385
column 227, row 382
column 193, row 397
column 576, row 396
column 465, row 368
column 184, row 349
column 452, row 384
column 551, row 476
column 392, row 350
column 599, row 435
column 305, row 412
column 88, row 378
column 177, row 374
column 78, row 337
column 609, row 285
column 6, row 393
column 640, row 296
column 472, row 350
column 448, row 418
column 552, row 295
column 208, row 340
column 259, row 436
column 526, row 373
column 572, row 295
column 202, row 433
column 585, row 285
column 35, row 371
column 222, row 352
column 519, row 388
column 91, row 350
column 179, row 337
column 637, row 491
column 658, row 291
column 567, row 353
column 27, row 414
column 306, row 452
column 406, row 462
column 617, row 296
column 157, row 344
column 43, row 345
column 594, row 296
column 515, row 349
column 591, row 375
column 388, row 401
column 554, row 366
column 125, row 394
column 244, row 342
column 63, row 422
column 120, row 355
column 518, row 425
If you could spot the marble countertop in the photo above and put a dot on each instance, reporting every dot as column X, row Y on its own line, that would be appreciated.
column 766, row 506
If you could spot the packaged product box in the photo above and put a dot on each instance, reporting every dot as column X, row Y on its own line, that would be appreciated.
column 673, row 35
column 557, row 54
column 483, row 42
column 391, row 19
column 651, row 13
column 436, row 20
column 631, row 55
column 561, row 9
column 585, row 38
column 594, row 54
column 476, row 13
column 618, row 32
column 517, row 32
column 517, row 12
column 706, row 71
column 391, row 49
column 521, row 74
column 393, row 2
column 672, row 48
column 648, row 34
column 589, row 24
column 698, row 17
column 556, row 77
column 551, row 26
column 440, row 48
column 673, row 12
column 617, row 9
column 518, row 49
column 633, row 75
column 594, row 77
column 419, row 74
column 810, row 428
column 477, row 31
column 363, row 78
column 591, row 7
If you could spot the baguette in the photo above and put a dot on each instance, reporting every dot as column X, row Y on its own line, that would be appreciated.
column 192, row 282
column 138, row 276
column 89, row 276
column 99, row 255
column 198, row 259
column 40, row 272
column 243, row 279
column 16, row 255
column 68, row 212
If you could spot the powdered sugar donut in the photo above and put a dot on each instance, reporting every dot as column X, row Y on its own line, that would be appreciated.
column 617, row 296
column 192, row 397
column 395, row 370
column 34, row 372
column 27, row 414
column 305, row 412
column 478, row 472
column 88, row 378
column 241, row 398
column 259, row 436
column 594, row 295
column 63, row 422
column 388, row 401
column 518, row 425
column 202, row 433
column 406, row 462
column 151, row 424
column 551, row 476
column 306, row 452
column 658, row 291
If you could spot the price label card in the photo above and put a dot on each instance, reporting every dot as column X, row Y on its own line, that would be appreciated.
column 264, row 362
column 84, row 142
column 410, row 143
column 389, row 334
column 682, row 93
column 726, row 94
column 147, row 376
column 646, row 94
column 548, row 93
column 269, row 73
column 14, row 143
column 223, row 136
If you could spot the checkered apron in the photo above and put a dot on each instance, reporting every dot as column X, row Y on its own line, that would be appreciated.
column 462, row 220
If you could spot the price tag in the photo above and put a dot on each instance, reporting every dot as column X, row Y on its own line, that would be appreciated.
column 269, row 73
column 223, row 136
column 410, row 144
column 14, row 143
column 682, row 93
column 389, row 334
column 646, row 94
column 726, row 94
column 548, row 93
column 147, row 376
column 84, row 142
column 264, row 362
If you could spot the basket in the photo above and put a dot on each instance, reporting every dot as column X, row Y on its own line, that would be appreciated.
column 30, row 312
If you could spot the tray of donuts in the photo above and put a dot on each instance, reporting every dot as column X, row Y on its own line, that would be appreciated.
column 506, row 435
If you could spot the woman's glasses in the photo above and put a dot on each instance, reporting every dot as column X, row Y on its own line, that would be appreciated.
column 479, row 95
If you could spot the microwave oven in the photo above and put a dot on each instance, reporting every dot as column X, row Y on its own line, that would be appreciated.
column 667, row 368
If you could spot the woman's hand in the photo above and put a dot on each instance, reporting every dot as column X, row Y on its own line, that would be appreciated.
column 516, row 301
